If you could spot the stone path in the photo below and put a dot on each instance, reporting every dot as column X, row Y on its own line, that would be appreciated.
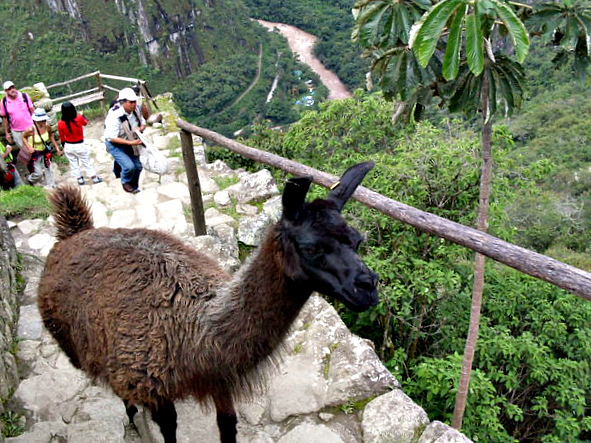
column 313, row 395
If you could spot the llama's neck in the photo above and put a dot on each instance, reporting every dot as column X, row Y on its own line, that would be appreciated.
column 256, row 313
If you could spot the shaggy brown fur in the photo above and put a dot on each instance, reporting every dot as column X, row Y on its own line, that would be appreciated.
column 158, row 321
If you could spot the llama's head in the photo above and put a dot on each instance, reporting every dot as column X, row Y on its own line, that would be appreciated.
column 321, row 248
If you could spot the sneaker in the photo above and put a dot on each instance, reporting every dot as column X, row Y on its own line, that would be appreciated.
column 80, row 180
column 97, row 179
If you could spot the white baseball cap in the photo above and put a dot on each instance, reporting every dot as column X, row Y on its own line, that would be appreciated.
column 127, row 94
column 8, row 85
column 39, row 115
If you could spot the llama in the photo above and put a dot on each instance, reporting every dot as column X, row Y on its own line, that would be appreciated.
column 158, row 321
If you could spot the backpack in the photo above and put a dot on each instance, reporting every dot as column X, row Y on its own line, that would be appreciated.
column 25, row 98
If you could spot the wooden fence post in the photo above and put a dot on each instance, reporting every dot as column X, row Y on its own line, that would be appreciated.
column 194, row 185
column 99, row 85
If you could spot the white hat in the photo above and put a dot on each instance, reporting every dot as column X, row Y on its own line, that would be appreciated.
column 8, row 85
column 39, row 115
column 127, row 94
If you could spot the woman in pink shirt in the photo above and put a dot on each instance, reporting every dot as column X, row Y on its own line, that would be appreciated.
column 71, row 132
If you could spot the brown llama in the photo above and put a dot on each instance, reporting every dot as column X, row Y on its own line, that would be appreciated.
column 158, row 321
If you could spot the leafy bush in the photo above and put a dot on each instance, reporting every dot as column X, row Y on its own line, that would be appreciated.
column 535, row 338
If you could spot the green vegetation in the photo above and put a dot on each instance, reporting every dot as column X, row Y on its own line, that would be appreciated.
column 532, row 374
column 213, row 97
column 224, row 182
column 25, row 202
column 329, row 20
column 11, row 424
column 40, row 44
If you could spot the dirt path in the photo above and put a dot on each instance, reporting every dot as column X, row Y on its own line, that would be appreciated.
column 302, row 43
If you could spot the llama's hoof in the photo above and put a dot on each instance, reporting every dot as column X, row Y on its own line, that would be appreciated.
column 97, row 179
column 80, row 181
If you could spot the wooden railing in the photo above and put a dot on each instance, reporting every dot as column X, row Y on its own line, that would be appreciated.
column 537, row 265
column 98, row 92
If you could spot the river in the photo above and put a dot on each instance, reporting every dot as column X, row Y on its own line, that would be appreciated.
column 302, row 44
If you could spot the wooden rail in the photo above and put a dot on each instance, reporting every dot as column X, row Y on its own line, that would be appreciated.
column 537, row 265
column 97, row 93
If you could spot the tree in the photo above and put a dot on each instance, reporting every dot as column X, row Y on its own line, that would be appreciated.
column 473, row 77
column 483, row 78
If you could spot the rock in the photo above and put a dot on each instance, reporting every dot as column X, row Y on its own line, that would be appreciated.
column 28, row 227
column 41, row 241
column 247, row 210
column 154, row 118
column 43, row 432
column 213, row 247
column 175, row 190
column 254, row 187
column 393, row 417
column 222, row 199
column 30, row 325
column 122, row 218
column 438, row 432
column 214, row 217
column 208, row 185
column 46, row 395
column 299, row 389
column 97, row 431
column 251, row 230
column 311, row 433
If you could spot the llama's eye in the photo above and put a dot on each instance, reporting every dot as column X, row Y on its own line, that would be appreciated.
column 310, row 250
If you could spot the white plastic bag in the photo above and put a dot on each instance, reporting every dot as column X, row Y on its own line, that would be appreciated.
column 152, row 159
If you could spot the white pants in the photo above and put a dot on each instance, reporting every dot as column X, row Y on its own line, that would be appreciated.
column 78, row 155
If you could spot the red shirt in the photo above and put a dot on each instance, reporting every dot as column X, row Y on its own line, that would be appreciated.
column 76, row 134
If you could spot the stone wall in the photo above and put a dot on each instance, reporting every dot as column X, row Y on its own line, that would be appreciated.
column 8, row 312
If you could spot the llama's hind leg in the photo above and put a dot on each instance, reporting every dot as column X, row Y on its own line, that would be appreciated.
column 164, row 414
column 226, row 418
column 130, row 410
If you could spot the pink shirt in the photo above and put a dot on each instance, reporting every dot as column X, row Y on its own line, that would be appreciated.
column 18, row 112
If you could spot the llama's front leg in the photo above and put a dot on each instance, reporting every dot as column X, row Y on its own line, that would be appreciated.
column 164, row 414
column 226, row 418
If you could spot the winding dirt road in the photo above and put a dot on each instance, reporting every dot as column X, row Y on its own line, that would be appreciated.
column 302, row 43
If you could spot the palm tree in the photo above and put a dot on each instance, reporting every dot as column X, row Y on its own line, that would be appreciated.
column 453, row 57
column 382, row 29
column 486, row 79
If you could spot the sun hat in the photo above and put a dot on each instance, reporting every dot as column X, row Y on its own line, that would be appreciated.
column 127, row 94
column 39, row 115
column 8, row 85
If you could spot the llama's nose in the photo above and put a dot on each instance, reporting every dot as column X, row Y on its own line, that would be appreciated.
column 367, row 280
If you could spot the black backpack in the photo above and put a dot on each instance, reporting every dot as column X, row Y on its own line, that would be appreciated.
column 25, row 98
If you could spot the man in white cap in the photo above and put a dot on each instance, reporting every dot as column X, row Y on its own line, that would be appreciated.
column 16, row 109
column 120, row 124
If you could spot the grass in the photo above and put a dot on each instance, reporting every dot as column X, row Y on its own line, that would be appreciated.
column 224, row 182
column 24, row 201
column 11, row 424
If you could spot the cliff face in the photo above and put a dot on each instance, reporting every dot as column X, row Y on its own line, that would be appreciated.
column 161, row 41
column 166, row 33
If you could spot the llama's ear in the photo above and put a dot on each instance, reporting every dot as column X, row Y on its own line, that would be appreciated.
column 342, row 190
column 294, row 196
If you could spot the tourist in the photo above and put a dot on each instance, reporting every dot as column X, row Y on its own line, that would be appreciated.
column 71, row 132
column 120, row 124
column 38, row 141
